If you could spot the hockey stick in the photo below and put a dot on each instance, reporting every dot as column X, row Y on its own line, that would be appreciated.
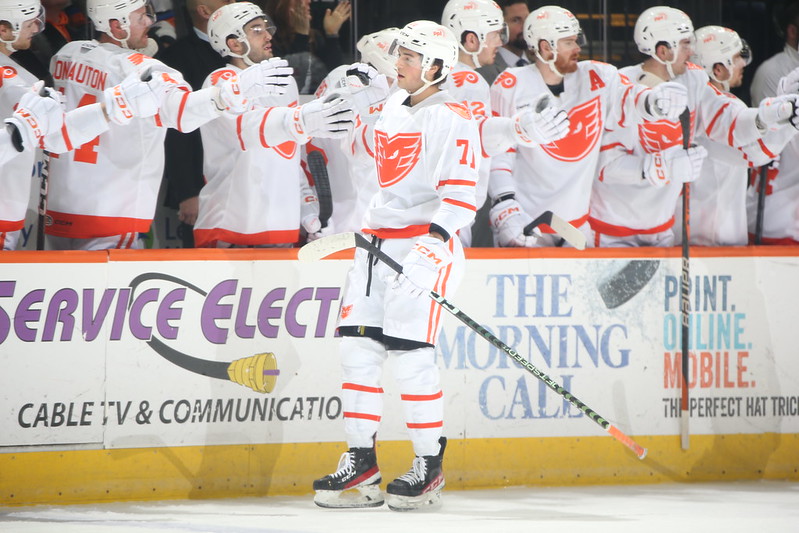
column 565, row 230
column 318, row 169
column 43, row 187
column 343, row 241
column 685, row 279
column 761, row 204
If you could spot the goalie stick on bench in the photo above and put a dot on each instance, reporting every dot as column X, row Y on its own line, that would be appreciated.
column 342, row 241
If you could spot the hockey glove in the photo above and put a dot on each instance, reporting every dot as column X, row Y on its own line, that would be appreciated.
column 331, row 118
column 665, row 101
column 132, row 98
column 542, row 124
column 230, row 98
column 508, row 221
column 36, row 116
column 267, row 78
column 789, row 84
column 773, row 113
column 421, row 266
column 674, row 164
column 365, row 88
column 309, row 214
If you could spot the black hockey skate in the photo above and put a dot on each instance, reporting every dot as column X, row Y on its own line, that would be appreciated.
column 356, row 483
column 421, row 486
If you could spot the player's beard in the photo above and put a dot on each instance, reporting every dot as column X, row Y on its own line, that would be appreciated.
column 566, row 65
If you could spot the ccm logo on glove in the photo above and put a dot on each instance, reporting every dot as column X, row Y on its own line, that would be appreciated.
column 424, row 251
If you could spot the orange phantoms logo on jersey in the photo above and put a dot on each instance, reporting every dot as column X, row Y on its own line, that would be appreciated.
column 464, row 76
column 657, row 136
column 396, row 156
column 585, row 126
column 506, row 79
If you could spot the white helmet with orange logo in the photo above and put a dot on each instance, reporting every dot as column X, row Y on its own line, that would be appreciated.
column 550, row 24
column 662, row 24
column 433, row 42
column 716, row 44
column 374, row 49
column 102, row 12
column 18, row 12
column 480, row 17
column 229, row 21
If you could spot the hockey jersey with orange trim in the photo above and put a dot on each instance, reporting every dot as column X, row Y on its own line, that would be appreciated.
column 470, row 88
column 621, row 199
column 427, row 159
column 558, row 176
column 16, row 168
column 252, row 170
column 109, row 185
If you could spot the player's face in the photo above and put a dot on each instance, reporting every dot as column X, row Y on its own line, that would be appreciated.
column 140, row 22
column 493, row 42
column 568, row 54
column 259, row 36
column 514, row 18
column 409, row 70
column 26, row 32
column 737, row 74
column 684, row 52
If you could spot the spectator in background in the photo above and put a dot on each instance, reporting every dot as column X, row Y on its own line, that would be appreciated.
column 768, row 74
column 310, row 52
column 514, row 52
column 193, row 56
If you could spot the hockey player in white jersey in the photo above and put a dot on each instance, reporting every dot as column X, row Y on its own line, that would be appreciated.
column 34, row 117
column 427, row 152
column 480, row 29
column 256, row 193
column 718, row 199
column 104, row 193
column 635, row 196
column 351, row 171
column 780, row 209
column 558, row 176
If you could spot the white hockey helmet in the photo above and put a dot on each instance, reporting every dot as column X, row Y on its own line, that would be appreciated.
column 102, row 12
column 229, row 21
column 480, row 17
column 374, row 49
column 433, row 42
column 550, row 24
column 662, row 24
column 18, row 12
column 716, row 44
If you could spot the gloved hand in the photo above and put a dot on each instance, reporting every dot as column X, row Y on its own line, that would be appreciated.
column 674, row 164
column 422, row 265
column 37, row 115
column 309, row 214
column 773, row 113
column 789, row 84
column 666, row 101
column 132, row 98
column 230, row 98
column 364, row 87
column 331, row 118
column 267, row 78
column 508, row 221
column 543, row 124
column 322, row 232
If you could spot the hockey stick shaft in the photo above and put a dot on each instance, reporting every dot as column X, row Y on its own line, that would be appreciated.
column 616, row 433
column 685, row 300
column 761, row 204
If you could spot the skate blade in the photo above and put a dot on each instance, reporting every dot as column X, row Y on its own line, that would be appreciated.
column 430, row 501
column 366, row 496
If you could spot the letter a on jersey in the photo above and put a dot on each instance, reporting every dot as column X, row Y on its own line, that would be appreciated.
column 585, row 125
column 396, row 156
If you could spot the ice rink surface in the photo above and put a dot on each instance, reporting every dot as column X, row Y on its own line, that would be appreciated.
column 689, row 508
